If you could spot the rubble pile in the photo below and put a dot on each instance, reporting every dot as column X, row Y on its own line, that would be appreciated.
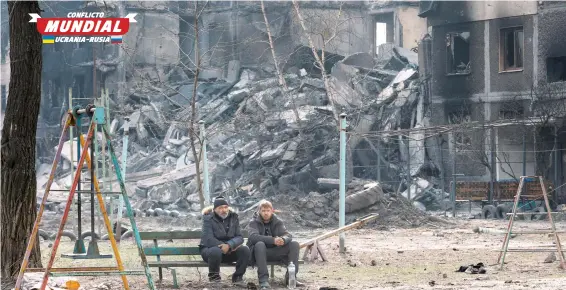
column 264, row 141
column 362, row 197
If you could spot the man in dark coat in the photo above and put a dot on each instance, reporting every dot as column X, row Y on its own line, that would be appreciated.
column 222, row 241
column 270, row 241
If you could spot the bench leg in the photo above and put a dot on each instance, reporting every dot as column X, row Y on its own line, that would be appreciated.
column 272, row 273
column 174, row 273
column 160, row 274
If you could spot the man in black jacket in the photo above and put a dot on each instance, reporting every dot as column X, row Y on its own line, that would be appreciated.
column 269, row 240
column 222, row 241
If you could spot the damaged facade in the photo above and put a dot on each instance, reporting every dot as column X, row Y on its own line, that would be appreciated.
column 262, row 140
column 494, row 61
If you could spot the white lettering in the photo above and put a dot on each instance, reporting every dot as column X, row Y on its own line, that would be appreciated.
column 85, row 14
column 107, row 26
column 77, row 25
column 97, row 26
column 89, row 25
column 52, row 26
column 117, row 27
column 65, row 25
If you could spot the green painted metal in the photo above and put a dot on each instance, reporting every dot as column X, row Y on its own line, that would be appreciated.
column 128, row 206
column 99, row 116
column 98, row 273
column 177, row 235
column 172, row 251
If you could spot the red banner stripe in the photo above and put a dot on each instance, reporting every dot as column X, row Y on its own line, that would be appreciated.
column 83, row 26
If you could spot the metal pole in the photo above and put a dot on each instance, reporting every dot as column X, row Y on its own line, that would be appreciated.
column 493, row 162
column 342, row 207
column 409, row 181
column 378, row 162
column 92, row 216
column 79, row 195
column 453, row 195
column 107, row 111
column 204, row 163
column 71, row 136
column 525, row 154
column 556, row 162
column 128, row 207
column 124, row 159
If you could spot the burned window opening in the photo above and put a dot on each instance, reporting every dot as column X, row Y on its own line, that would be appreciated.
column 511, row 51
column 556, row 69
column 384, row 29
column 511, row 112
column 458, row 53
column 462, row 138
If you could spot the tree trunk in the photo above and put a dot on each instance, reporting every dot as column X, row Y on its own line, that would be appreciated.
column 18, row 183
column 192, row 125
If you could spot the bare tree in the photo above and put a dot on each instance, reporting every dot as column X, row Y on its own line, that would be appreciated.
column 18, row 140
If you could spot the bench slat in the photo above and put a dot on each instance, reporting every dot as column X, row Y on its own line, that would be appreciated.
column 177, row 235
column 171, row 251
column 190, row 264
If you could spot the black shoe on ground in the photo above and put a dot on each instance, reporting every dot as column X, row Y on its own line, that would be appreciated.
column 214, row 277
column 239, row 281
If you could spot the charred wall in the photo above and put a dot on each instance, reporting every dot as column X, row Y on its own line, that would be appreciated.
column 510, row 80
column 551, row 35
column 458, row 85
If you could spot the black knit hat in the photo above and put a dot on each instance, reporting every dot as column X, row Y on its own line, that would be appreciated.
column 218, row 201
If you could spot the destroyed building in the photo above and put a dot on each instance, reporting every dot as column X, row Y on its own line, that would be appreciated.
column 261, row 141
column 499, row 61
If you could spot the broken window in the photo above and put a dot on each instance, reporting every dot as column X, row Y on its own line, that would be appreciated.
column 511, row 49
column 458, row 52
column 462, row 137
column 510, row 111
column 556, row 69
column 384, row 30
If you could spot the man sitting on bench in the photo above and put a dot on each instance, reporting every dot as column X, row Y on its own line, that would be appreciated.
column 270, row 241
column 222, row 241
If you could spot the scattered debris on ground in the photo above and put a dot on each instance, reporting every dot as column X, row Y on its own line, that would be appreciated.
column 473, row 269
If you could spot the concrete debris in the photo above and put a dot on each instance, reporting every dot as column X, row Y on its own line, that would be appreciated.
column 262, row 140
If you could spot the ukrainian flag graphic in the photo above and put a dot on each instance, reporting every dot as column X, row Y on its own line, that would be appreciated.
column 48, row 39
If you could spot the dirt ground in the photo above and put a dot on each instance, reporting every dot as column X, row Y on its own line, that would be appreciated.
column 418, row 258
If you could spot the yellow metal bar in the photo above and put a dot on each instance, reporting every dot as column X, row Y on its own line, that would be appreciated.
column 106, row 220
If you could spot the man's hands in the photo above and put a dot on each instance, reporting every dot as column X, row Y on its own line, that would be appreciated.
column 279, row 242
column 225, row 248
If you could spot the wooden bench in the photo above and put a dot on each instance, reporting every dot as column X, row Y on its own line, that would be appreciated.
column 158, row 252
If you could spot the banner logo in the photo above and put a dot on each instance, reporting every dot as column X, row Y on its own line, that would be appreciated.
column 83, row 27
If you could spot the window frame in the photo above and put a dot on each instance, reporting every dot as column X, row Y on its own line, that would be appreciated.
column 502, row 37
column 449, row 71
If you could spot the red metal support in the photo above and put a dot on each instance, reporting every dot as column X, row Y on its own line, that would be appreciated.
column 69, row 120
